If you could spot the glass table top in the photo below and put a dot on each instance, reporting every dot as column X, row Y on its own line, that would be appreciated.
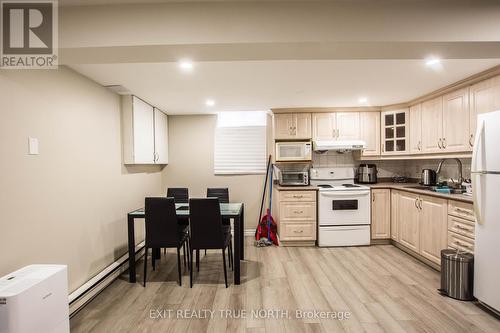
column 226, row 209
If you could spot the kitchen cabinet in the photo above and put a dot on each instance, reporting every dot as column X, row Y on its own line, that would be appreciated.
column 336, row 126
column 295, row 216
column 394, row 216
column 145, row 132
column 395, row 132
column 416, row 129
column 484, row 97
column 433, row 224
column 432, row 129
column 408, row 220
column 370, row 132
column 381, row 214
column 292, row 126
column 461, row 226
column 455, row 121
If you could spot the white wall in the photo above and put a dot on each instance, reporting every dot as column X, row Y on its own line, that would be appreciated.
column 68, row 204
column 191, row 164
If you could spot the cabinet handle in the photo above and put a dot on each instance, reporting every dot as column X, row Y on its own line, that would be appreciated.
column 416, row 203
column 298, row 211
column 420, row 204
column 458, row 226
column 298, row 231
column 471, row 142
column 298, row 196
column 373, row 198
column 444, row 143
column 460, row 210
column 462, row 244
column 439, row 144
column 419, row 145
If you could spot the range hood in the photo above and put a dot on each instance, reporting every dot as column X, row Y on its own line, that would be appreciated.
column 324, row 145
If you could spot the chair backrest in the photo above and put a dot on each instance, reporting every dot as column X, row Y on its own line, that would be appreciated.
column 162, row 229
column 219, row 192
column 180, row 194
column 206, row 223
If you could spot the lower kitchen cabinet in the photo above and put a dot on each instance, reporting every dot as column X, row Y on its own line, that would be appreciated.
column 421, row 223
column 295, row 215
column 408, row 220
column 381, row 214
column 433, row 227
column 461, row 226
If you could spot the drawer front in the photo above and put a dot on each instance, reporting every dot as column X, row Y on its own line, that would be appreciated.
column 456, row 241
column 461, row 209
column 297, row 231
column 297, row 212
column 297, row 195
column 461, row 226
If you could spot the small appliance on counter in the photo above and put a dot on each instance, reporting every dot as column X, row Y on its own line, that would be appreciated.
column 428, row 177
column 367, row 174
column 293, row 178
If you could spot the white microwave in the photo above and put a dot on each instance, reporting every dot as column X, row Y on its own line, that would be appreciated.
column 293, row 151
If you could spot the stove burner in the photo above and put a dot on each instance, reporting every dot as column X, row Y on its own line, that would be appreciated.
column 325, row 186
column 350, row 185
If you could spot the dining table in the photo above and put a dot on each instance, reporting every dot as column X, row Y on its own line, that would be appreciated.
column 233, row 210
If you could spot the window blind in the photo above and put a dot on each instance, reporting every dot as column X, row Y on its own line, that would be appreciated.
column 240, row 149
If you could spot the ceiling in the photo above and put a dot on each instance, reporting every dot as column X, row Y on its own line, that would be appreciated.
column 261, row 85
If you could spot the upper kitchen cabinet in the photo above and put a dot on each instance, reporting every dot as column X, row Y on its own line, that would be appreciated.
column 370, row 132
column 432, row 130
column 336, row 126
column 456, row 121
column 292, row 126
column 395, row 132
column 484, row 97
column 416, row 129
column 145, row 133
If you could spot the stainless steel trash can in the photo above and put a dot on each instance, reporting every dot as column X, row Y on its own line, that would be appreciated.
column 457, row 274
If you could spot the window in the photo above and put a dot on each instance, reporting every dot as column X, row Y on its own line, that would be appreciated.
column 240, row 143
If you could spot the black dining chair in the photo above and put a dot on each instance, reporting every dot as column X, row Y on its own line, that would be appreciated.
column 163, row 231
column 207, row 231
column 222, row 193
column 180, row 194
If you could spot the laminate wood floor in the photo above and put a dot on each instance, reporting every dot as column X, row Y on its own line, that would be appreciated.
column 382, row 289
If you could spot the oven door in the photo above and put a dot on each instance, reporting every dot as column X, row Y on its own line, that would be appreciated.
column 344, row 208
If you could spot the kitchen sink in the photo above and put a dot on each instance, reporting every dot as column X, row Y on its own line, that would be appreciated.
column 435, row 189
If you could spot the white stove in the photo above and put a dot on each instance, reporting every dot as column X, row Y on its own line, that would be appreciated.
column 343, row 208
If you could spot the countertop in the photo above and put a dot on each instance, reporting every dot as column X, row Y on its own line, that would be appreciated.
column 404, row 187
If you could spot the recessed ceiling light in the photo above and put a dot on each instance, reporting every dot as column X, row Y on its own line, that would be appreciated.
column 209, row 102
column 186, row 65
column 433, row 61
column 363, row 100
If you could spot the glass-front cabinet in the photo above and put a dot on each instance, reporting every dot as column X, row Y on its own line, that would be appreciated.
column 395, row 136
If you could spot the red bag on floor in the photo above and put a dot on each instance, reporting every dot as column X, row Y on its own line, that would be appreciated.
column 262, row 229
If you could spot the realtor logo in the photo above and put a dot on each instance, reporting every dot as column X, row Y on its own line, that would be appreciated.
column 29, row 34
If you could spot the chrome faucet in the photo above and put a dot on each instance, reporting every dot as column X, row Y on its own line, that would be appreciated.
column 459, row 163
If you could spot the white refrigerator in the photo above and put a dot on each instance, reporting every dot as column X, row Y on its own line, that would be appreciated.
column 485, row 174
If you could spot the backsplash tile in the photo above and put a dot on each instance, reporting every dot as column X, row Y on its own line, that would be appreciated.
column 389, row 168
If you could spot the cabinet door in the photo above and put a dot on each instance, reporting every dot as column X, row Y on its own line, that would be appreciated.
column 381, row 214
column 161, row 137
column 433, row 227
column 370, row 132
column 432, row 125
column 416, row 129
column 143, row 132
column 303, row 126
column 408, row 216
column 347, row 124
column 456, row 121
column 484, row 97
column 395, row 132
column 284, row 126
column 394, row 216
column 323, row 126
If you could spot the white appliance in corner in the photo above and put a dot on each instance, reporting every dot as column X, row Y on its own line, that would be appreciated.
column 343, row 208
column 485, row 173
column 35, row 299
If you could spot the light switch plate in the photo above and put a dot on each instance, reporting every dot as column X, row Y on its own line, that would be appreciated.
column 32, row 146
